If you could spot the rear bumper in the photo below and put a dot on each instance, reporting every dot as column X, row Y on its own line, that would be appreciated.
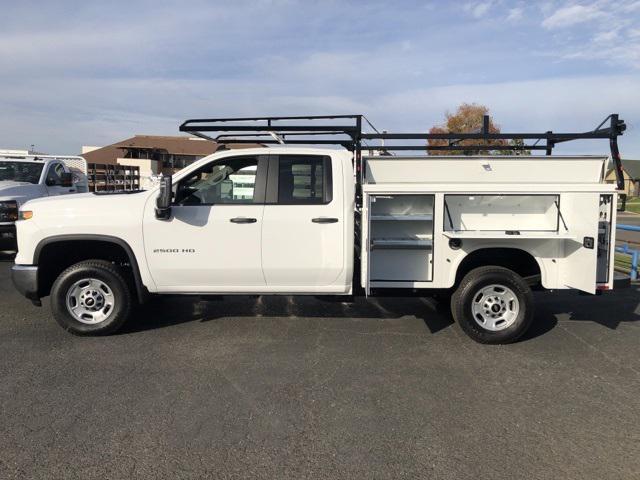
column 8, row 237
column 25, row 279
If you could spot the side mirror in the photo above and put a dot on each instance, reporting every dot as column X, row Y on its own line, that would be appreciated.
column 163, row 202
column 67, row 179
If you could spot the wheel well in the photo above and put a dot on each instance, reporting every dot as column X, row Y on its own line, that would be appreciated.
column 514, row 259
column 54, row 257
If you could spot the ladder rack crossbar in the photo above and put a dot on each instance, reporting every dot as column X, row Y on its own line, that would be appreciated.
column 348, row 133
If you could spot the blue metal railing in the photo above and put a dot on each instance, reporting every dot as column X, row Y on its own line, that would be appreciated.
column 633, row 252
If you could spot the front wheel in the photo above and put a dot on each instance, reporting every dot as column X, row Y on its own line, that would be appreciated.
column 91, row 298
column 493, row 305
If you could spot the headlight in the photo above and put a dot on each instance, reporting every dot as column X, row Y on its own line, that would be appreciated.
column 25, row 214
column 8, row 211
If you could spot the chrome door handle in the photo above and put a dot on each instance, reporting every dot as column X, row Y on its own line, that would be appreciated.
column 243, row 220
column 324, row 220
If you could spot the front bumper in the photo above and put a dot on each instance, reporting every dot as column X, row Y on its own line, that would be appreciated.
column 25, row 279
column 8, row 237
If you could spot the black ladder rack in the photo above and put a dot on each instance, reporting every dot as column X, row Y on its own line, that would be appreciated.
column 347, row 131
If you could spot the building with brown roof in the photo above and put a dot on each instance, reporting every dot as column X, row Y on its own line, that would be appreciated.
column 155, row 154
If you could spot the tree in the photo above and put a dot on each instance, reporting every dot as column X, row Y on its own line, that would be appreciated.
column 468, row 118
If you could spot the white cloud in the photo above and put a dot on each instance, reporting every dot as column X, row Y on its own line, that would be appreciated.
column 617, row 54
column 631, row 7
column 611, row 40
column 572, row 15
column 478, row 9
column 606, row 36
column 515, row 14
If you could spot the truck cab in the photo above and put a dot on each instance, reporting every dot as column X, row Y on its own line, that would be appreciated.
column 261, row 221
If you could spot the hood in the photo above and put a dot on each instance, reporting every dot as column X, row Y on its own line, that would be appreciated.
column 20, row 191
column 46, row 202
column 88, row 213
column 86, row 202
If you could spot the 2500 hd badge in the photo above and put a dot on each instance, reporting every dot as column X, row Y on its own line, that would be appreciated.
column 174, row 250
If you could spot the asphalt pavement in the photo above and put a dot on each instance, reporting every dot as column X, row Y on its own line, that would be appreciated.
column 281, row 387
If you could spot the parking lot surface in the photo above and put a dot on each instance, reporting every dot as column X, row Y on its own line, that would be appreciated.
column 279, row 387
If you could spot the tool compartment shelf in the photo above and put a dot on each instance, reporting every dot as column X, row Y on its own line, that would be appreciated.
column 403, row 218
column 400, row 237
column 417, row 243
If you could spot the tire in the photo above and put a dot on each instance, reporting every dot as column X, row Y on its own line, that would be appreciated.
column 98, row 294
column 493, row 305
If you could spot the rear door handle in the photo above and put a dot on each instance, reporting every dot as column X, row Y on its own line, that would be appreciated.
column 324, row 220
column 243, row 220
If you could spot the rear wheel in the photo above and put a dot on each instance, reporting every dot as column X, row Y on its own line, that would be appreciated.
column 493, row 305
column 91, row 298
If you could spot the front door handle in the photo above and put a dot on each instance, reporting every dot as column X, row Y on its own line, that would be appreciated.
column 324, row 220
column 243, row 220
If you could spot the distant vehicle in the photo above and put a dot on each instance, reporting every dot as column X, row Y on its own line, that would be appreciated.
column 484, row 230
column 27, row 177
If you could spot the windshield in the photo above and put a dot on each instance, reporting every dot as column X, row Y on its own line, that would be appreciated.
column 20, row 171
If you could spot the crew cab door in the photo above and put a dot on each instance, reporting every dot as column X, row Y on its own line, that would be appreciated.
column 212, row 242
column 303, row 224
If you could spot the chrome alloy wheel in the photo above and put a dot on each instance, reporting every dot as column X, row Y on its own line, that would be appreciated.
column 90, row 301
column 495, row 307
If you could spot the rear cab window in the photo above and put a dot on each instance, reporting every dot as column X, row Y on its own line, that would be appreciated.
column 300, row 180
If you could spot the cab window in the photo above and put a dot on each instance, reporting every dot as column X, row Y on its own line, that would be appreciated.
column 229, row 181
column 304, row 179
column 54, row 174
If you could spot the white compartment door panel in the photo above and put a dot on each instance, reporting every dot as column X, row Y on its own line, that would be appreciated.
column 579, row 265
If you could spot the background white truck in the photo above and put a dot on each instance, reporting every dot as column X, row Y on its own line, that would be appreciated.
column 291, row 220
column 25, row 177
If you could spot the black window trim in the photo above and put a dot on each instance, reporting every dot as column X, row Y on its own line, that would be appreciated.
column 259, row 189
column 273, row 178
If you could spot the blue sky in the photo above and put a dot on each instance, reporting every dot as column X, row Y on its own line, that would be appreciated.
column 92, row 73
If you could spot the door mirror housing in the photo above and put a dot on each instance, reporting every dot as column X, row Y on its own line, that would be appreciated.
column 66, row 179
column 163, row 202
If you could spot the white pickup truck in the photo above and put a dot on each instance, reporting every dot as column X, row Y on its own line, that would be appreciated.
column 292, row 220
column 26, row 177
